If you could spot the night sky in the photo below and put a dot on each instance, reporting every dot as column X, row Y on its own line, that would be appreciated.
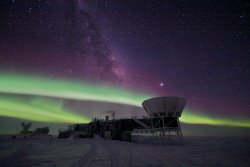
column 199, row 50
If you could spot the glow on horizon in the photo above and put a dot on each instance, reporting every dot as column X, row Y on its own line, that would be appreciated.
column 38, row 86
column 192, row 117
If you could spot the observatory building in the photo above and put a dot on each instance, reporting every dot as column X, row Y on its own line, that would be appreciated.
column 162, row 123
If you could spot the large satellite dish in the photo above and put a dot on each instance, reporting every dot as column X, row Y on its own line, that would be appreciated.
column 164, row 106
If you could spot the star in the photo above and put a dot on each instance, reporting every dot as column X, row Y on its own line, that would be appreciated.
column 161, row 84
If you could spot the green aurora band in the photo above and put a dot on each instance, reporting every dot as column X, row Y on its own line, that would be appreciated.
column 27, row 85
column 48, row 112
column 16, row 108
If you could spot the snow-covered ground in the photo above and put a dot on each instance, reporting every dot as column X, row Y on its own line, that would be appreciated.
column 197, row 151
